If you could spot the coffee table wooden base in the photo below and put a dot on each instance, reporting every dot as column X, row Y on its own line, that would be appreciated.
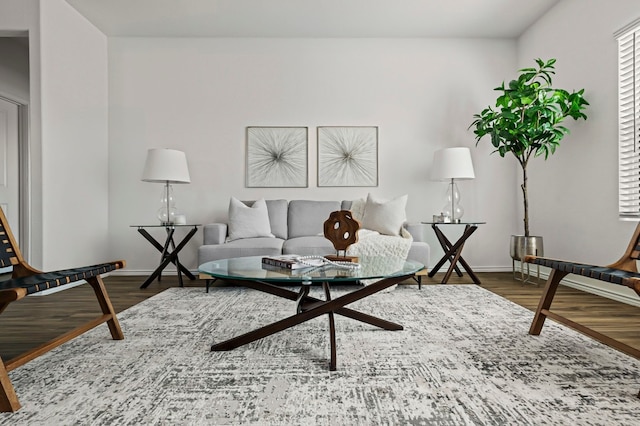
column 310, row 307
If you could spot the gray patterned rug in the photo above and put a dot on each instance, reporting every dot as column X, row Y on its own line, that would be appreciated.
column 464, row 358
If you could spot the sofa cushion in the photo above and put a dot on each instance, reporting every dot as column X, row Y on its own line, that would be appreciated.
column 278, row 217
column 307, row 217
column 383, row 216
column 308, row 246
column 248, row 222
column 240, row 248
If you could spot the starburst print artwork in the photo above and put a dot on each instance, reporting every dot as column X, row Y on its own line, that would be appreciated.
column 277, row 157
column 347, row 156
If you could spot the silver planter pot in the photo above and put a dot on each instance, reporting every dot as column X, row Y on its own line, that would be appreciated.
column 522, row 246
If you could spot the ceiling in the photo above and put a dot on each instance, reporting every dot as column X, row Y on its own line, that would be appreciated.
column 313, row 18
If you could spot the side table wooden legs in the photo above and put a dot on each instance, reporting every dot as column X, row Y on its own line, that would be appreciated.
column 453, row 253
column 169, row 254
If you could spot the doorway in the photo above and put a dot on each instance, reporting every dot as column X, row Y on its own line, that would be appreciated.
column 14, row 176
column 9, row 174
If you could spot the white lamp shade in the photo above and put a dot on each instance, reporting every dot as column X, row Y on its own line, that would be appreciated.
column 166, row 166
column 452, row 163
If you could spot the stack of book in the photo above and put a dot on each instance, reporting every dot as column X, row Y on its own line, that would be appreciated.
column 291, row 262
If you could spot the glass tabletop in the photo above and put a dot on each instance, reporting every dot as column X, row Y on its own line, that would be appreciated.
column 251, row 268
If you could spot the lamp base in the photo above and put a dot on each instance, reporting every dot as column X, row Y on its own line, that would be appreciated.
column 453, row 209
column 167, row 210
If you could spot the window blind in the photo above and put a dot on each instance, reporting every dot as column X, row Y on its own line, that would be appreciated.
column 629, row 121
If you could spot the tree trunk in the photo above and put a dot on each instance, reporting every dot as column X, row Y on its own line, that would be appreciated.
column 526, row 201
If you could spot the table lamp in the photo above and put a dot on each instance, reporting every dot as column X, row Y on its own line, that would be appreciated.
column 166, row 166
column 451, row 164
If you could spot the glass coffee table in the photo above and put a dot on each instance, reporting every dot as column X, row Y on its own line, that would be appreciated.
column 250, row 272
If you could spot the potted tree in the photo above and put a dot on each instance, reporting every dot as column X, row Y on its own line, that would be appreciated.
column 527, row 123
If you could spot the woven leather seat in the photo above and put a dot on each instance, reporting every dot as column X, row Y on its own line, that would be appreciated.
column 27, row 280
column 601, row 273
column 623, row 272
column 48, row 280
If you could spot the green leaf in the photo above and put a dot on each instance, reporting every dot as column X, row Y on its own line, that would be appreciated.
column 525, row 77
column 528, row 70
column 528, row 114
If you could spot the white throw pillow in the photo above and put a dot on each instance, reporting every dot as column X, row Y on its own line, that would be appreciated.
column 386, row 217
column 248, row 222
column 357, row 209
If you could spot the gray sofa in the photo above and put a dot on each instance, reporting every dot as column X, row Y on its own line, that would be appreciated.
column 298, row 229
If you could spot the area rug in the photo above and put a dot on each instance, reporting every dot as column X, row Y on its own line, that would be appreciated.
column 464, row 358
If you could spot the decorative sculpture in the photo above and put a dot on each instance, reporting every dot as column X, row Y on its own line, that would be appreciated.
column 341, row 229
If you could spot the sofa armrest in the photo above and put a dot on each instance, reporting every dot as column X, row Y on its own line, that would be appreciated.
column 214, row 233
column 418, row 231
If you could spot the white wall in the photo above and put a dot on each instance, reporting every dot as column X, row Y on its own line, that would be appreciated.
column 573, row 195
column 199, row 95
column 74, row 138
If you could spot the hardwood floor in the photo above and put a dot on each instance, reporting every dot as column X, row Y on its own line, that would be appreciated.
column 34, row 320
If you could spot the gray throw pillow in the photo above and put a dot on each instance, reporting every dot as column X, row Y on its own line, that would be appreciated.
column 248, row 222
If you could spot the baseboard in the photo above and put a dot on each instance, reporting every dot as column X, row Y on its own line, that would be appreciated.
column 482, row 268
column 609, row 294
column 59, row 288
column 65, row 286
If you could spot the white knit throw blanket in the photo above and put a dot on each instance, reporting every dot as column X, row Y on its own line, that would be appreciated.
column 372, row 243
column 394, row 249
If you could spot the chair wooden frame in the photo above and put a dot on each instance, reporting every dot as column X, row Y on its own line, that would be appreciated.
column 16, row 288
column 623, row 272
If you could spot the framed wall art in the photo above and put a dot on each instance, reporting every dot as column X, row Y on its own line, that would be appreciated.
column 277, row 157
column 348, row 156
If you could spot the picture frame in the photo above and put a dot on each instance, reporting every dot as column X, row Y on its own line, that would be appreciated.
column 347, row 156
column 277, row 157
